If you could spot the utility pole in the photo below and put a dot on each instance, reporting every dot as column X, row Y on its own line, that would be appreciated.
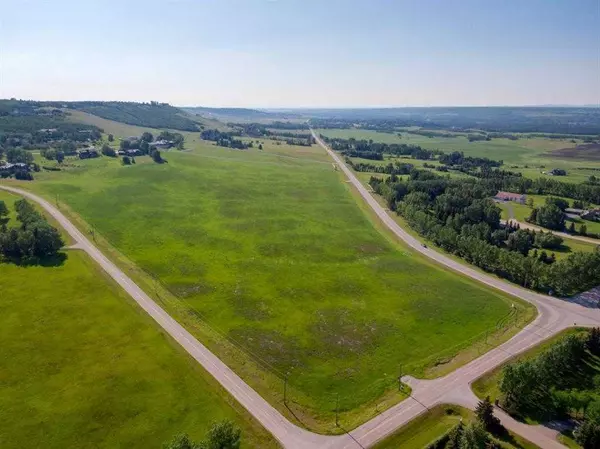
column 337, row 407
column 400, row 379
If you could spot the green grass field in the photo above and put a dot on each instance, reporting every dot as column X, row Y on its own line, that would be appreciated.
column 529, row 156
column 81, row 366
column 266, row 256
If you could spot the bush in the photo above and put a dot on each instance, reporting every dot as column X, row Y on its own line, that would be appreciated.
column 108, row 151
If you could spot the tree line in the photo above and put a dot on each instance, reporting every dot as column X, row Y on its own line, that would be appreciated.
column 367, row 149
column 459, row 216
column 545, row 120
column 32, row 241
column 397, row 168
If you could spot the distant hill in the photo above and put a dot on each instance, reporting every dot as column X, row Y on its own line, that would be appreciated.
column 150, row 115
column 239, row 114
column 226, row 112
column 524, row 119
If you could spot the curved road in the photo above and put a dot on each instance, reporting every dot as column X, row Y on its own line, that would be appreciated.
column 554, row 316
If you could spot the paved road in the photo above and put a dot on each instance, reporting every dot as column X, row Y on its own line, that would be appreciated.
column 559, row 233
column 554, row 316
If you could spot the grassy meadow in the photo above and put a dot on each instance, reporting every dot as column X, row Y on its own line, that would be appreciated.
column 81, row 366
column 268, row 259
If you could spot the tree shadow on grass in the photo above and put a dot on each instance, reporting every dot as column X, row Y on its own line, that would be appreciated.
column 55, row 260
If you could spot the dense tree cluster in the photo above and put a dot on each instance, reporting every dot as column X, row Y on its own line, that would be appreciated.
column 459, row 216
column 30, row 242
column 467, row 162
column 223, row 435
column 151, row 115
column 557, row 384
column 367, row 149
column 223, row 139
column 254, row 130
column 397, row 168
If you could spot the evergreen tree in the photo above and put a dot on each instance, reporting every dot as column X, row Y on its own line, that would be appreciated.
column 454, row 436
column 3, row 216
column 485, row 415
column 588, row 435
column 474, row 437
column 593, row 341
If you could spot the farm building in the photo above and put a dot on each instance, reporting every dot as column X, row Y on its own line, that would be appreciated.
column 87, row 153
column 557, row 172
column 162, row 144
column 509, row 196
column 591, row 214
column 16, row 166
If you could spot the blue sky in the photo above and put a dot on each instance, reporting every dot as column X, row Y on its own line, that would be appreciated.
column 303, row 53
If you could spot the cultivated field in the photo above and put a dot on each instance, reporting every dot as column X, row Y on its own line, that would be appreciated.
column 81, row 366
column 266, row 257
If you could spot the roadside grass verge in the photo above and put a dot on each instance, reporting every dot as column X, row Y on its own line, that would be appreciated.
column 434, row 424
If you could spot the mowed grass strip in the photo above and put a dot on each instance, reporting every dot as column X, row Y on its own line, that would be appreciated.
column 82, row 367
column 274, row 253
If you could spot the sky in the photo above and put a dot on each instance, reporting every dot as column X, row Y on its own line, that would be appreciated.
column 303, row 53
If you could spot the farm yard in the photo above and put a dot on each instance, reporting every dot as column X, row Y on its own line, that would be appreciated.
column 266, row 257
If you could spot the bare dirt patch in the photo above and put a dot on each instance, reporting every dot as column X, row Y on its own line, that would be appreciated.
column 584, row 152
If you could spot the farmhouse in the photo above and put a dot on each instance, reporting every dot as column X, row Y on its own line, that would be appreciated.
column 508, row 196
column 8, row 167
column 591, row 214
column 162, row 144
column 557, row 172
